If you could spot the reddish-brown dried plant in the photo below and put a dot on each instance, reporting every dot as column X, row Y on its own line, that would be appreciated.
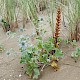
column 57, row 27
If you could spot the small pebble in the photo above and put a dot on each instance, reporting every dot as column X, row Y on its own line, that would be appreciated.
column 10, row 75
column 20, row 75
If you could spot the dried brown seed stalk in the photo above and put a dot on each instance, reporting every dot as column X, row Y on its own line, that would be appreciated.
column 57, row 28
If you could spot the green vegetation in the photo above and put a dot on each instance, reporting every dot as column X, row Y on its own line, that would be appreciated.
column 36, row 56
column 76, row 54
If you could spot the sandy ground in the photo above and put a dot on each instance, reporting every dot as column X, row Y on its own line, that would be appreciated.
column 11, row 69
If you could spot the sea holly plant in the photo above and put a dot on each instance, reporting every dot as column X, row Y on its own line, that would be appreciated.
column 76, row 54
column 11, row 34
column 58, row 53
column 10, row 51
column 37, row 56
column 73, row 43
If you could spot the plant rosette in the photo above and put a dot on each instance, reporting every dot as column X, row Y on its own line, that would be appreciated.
column 37, row 56
column 76, row 54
